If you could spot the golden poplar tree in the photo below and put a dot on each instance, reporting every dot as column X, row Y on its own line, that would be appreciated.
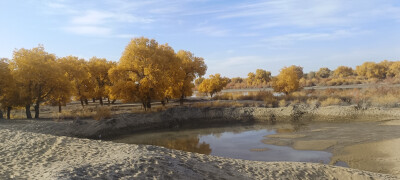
column 213, row 84
column 262, row 77
column 5, row 83
column 323, row 72
column 62, row 89
column 371, row 70
column 251, row 79
column 142, row 72
column 191, row 67
column 288, row 80
column 77, row 72
column 394, row 69
column 343, row 71
column 36, row 73
column 98, row 72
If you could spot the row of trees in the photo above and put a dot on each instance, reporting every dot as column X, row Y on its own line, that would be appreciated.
column 286, row 82
column 366, row 71
column 146, row 72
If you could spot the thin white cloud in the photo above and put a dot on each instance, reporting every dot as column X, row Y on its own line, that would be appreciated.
column 89, row 30
column 92, row 17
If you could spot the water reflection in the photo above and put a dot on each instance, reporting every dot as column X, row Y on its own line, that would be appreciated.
column 190, row 144
column 240, row 142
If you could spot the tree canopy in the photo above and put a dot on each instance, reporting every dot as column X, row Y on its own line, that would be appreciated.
column 213, row 84
column 288, row 80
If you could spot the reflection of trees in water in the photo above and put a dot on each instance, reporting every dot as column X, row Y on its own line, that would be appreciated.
column 190, row 144
column 295, row 126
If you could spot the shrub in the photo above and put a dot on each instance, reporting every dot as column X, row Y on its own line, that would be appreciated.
column 331, row 101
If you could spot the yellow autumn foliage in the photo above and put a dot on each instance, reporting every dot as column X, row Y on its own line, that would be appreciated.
column 288, row 80
column 213, row 84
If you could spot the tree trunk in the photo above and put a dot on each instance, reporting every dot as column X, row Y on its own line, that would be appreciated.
column 1, row 114
column 113, row 101
column 94, row 100
column 59, row 108
column 101, row 101
column 148, row 105
column 28, row 111
column 163, row 102
column 9, row 112
column 86, row 102
column 37, row 106
column 181, row 100
column 82, row 103
column 144, row 106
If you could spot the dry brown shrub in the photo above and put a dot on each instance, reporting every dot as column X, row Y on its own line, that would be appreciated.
column 331, row 101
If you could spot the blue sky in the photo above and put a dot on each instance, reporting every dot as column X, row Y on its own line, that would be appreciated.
column 234, row 37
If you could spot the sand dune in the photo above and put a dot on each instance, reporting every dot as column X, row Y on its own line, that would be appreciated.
column 30, row 155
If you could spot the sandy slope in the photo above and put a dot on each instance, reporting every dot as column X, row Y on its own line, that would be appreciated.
column 30, row 155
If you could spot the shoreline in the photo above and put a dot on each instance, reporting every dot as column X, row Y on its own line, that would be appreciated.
column 177, row 117
column 183, row 116
column 41, row 149
column 42, row 156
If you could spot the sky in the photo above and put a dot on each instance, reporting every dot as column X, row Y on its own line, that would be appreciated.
column 234, row 37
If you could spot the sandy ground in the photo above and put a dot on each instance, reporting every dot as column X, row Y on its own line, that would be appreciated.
column 38, row 150
column 370, row 146
column 27, row 155
column 382, row 156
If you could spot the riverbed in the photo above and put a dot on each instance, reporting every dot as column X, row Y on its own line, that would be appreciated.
column 345, row 144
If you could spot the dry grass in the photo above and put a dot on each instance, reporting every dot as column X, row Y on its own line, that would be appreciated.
column 331, row 101
column 218, row 104
column 283, row 103
column 102, row 113
column 388, row 100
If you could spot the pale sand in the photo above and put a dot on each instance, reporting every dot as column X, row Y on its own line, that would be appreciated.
column 278, row 142
column 392, row 122
column 27, row 155
column 316, row 145
column 381, row 156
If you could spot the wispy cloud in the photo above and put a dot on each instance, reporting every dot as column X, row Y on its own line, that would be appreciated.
column 94, row 22
column 89, row 30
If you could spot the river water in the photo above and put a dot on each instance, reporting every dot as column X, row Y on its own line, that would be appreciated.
column 372, row 146
column 237, row 141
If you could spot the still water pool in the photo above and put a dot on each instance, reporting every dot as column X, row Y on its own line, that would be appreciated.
column 239, row 141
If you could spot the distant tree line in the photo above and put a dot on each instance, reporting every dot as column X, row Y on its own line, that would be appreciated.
column 368, row 72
